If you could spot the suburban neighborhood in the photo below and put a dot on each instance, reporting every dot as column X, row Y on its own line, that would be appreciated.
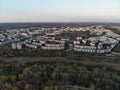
column 91, row 39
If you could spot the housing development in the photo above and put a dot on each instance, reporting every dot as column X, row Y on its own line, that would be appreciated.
column 91, row 39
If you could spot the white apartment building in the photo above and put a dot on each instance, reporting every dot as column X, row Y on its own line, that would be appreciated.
column 31, row 46
column 80, row 48
column 53, row 45
column 16, row 45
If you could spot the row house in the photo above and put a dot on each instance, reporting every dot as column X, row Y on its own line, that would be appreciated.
column 31, row 46
column 52, row 45
column 80, row 48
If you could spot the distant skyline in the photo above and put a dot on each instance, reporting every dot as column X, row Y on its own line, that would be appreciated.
column 59, row 10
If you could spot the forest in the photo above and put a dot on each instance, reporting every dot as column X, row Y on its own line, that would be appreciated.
column 52, row 75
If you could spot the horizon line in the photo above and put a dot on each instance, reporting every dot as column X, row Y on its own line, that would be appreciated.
column 63, row 22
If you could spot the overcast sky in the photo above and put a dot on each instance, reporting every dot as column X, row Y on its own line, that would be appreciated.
column 59, row 10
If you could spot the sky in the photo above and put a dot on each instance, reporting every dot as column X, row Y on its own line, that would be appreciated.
column 59, row 10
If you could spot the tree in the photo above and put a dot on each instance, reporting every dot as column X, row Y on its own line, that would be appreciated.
column 92, row 86
column 15, row 88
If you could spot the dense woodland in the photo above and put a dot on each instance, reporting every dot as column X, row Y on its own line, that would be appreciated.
column 53, row 75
